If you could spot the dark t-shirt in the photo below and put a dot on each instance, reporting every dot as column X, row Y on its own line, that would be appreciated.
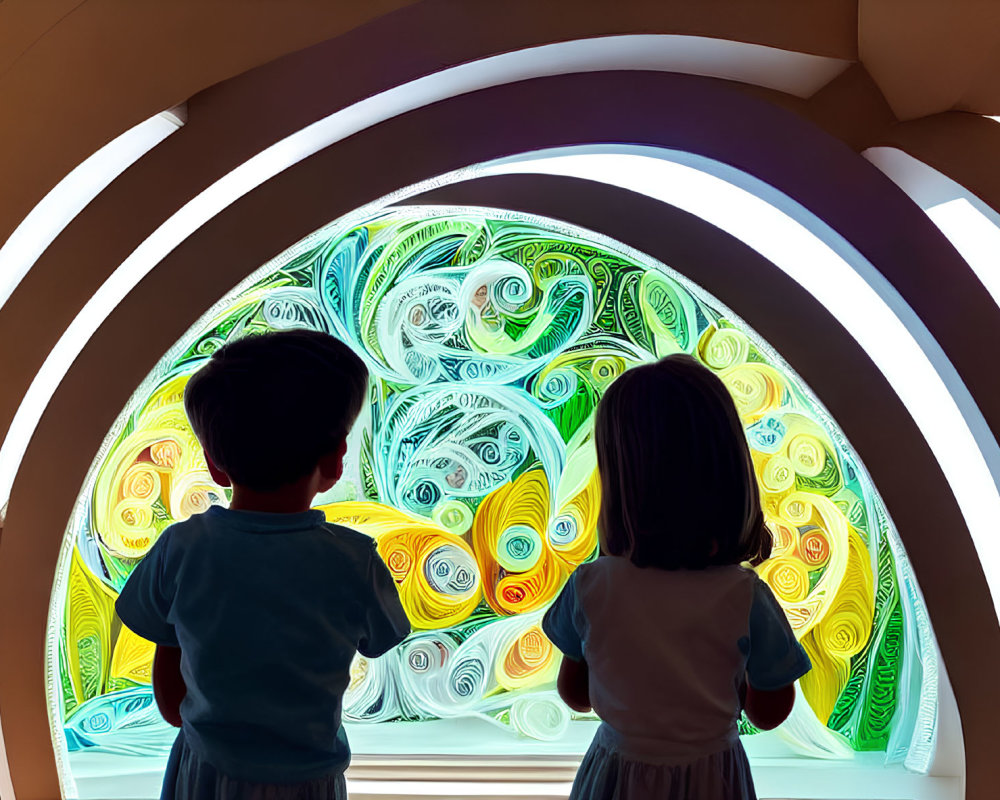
column 268, row 610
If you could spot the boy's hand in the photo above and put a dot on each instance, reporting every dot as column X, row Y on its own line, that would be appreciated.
column 168, row 683
column 574, row 684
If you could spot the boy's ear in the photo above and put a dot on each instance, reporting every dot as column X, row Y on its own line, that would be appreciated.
column 331, row 466
column 217, row 474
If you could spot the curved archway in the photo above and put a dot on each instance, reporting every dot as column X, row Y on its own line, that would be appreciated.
column 234, row 233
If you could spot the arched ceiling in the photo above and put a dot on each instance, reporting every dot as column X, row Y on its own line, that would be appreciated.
column 76, row 73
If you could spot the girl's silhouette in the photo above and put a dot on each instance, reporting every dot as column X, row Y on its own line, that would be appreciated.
column 667, row 635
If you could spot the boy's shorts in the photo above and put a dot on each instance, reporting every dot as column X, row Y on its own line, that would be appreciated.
column 188, row 777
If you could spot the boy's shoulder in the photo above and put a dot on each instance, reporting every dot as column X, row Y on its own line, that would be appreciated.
column 358, row 544
column 194, row 528
column 349, row 536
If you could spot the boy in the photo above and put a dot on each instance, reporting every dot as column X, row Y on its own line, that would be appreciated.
column 262, row 606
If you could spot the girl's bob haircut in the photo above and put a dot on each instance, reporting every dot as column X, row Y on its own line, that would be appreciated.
column 677, row 483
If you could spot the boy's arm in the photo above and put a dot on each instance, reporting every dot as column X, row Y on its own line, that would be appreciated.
column 386, row 624
column 168, row 683
column 574, row 684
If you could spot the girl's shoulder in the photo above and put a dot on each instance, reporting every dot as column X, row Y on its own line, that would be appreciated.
column 613, row 576
column 621, row 568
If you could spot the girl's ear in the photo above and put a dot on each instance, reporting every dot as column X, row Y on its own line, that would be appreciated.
column 331, row 466
column 217, row 474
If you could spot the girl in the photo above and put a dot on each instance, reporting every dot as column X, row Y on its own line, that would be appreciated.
column 667, row 636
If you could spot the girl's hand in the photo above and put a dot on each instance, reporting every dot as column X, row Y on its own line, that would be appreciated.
column 574, row 684
column 767, row 710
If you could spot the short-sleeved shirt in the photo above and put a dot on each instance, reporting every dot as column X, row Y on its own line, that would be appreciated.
column 269, row 611
column 667, row 650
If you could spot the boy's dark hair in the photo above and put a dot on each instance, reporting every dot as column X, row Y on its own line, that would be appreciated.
column 678, row 490
column 267, row 408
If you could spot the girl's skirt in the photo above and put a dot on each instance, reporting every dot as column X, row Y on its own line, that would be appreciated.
column 615, row 768
column 188, row 777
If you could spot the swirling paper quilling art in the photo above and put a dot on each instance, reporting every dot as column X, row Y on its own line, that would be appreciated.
column 505, row 654
column 569, row 386
column 435, row 444
column 437, row 674
column 842, row 633
column 525, row 561
column 99, row 721
column 86, row 643
column 669, row 314
column 131, row 662
column 572, row 528
column 544, row 717
column 721, row 348
column 490, row 338
column 424, row 665
column 806, row 600
column 435, row 570
column 819, row 573
column 154, row 475
column 530, row 660
column 449, row 307
column 372, row 694
column 756, row 389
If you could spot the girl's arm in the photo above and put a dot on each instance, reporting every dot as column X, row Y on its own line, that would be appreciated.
column 574, row 684
column 775, row 660
column 168, row 683
column 767, row 710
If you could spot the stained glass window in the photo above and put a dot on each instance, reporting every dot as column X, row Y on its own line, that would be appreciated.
column 490, row 337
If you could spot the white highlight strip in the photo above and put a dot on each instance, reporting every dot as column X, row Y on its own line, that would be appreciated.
column 975, row 236
column 72, row 194
column 971, row 225
column 796, row 73
column 915, row 375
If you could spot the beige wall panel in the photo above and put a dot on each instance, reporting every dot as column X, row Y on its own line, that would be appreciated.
column 930, row 55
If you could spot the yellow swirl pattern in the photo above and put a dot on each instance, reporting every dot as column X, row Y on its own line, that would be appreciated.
column 788, row 579
column 721, row 348
column 777, row 475
column 155, row 474
column 782, row 535
column 799, row 509
column 132, row 660
column 141, row 482
column 87, row 629
column 756, row 389
column 819, row 570
column 841, row 634
column 529, row 661
column 523, row 504
column 435, row 570
column 807, row 455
